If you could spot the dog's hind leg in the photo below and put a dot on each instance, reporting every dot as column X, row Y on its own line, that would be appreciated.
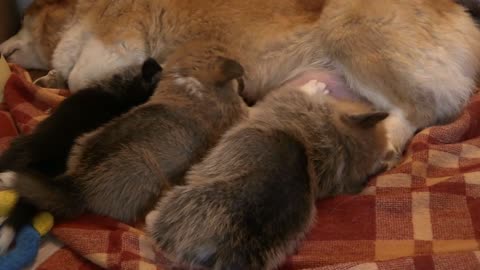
column 422, row 73
column 99, row 60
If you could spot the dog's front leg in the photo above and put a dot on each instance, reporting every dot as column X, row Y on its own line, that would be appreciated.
column 99, row 60
column 66, row 54
column 53, row 79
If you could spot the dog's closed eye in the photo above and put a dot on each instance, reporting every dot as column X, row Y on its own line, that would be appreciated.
column 9, row 53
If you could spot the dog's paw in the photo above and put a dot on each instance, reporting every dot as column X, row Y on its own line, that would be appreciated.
column 53, row 79
column 7, row 234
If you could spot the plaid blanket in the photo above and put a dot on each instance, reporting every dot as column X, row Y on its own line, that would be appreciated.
column 424, row 214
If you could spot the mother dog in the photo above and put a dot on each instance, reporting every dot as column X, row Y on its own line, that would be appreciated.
column 415, row 58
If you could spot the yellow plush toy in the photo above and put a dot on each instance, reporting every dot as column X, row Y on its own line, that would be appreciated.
column 27, row 239
column 4, row 75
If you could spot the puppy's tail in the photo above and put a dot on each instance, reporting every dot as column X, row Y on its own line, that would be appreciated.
column 58, row 196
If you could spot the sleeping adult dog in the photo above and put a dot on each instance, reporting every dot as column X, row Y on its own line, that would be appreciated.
column 415, row 58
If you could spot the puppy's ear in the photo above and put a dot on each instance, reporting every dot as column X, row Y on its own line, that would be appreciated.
column 364, row 120
column 227, row 70
column 150, row 68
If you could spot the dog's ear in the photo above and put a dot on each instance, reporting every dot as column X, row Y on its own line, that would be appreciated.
column 364, row 120
column 150, row 69
column 227, row 70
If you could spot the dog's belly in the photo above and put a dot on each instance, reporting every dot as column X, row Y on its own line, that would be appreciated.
column 335, row 83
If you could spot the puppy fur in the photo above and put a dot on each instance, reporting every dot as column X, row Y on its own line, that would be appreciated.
column 415, row 59
column 252, row 198
column 45, row 151
column 473, row 7
column 121, row 169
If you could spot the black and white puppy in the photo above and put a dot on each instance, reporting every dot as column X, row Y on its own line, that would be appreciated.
column 46, row 150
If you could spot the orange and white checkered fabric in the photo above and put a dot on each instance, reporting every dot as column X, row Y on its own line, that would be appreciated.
column 422, row 215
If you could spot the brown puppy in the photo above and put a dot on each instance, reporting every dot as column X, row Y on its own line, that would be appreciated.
column 415, row 59
column 121, row 169
column 252, row 198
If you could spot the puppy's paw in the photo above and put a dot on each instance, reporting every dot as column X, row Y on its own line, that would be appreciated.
column 314, row 87
column 393, row 156
column 399, row 132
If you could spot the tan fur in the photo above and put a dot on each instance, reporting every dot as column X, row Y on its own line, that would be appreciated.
column 415, row 58
column 43, row 26
column 46, row 18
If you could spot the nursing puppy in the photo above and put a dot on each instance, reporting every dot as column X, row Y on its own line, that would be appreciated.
column 415, row 59
column 121, row 169
column 45, row 151
column 253, row 197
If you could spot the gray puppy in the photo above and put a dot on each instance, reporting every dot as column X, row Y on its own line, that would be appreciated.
column 121, row 169
column 252, row 198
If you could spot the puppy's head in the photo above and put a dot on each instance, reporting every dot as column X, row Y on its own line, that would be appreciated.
column 137, row 82
column 365, row 147
column 202, row 67
column 151, row 71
